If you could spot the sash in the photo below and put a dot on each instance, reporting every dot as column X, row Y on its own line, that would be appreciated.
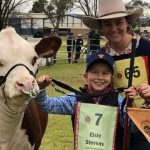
column 121, row 75
column 95, row 127
column 141, row 119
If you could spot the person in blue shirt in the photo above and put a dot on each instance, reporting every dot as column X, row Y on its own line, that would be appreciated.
column 94, row 41
column 99, row 75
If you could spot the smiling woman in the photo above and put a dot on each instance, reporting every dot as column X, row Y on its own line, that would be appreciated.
column 113, row 22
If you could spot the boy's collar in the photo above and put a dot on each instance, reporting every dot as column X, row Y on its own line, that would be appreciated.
column 88, row 89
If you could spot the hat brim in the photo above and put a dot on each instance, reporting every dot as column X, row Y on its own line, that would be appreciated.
column 94, row 23
column 102, row 61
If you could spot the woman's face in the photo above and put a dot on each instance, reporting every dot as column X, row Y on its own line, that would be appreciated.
column 114, row 29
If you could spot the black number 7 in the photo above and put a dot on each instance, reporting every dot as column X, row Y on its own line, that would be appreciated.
column 98, row 119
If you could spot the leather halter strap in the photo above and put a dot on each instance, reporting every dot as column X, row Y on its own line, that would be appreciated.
column 81, row 94
column 3, row 78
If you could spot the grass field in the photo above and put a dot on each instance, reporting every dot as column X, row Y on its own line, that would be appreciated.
column 59, row 135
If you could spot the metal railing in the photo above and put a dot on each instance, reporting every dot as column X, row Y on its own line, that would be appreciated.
column 77, row 53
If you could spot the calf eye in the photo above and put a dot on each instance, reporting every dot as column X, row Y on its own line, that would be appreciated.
column 34, row 60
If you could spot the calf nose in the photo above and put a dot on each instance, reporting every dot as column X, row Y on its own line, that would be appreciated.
column 26, row 84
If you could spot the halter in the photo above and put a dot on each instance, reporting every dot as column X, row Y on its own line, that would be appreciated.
column 32, row 93
column 3, row 78
column 81, row 94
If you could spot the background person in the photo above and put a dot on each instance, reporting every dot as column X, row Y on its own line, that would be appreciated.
column 78, row 46
column 70, row 46
column 113, row 21
column 94, row 41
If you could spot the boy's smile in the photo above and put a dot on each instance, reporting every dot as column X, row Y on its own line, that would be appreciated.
column 99, row 77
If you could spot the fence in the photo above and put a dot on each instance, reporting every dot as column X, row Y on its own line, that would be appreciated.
column 73, row 52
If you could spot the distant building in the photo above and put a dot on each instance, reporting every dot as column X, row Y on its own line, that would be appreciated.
column 29, row 24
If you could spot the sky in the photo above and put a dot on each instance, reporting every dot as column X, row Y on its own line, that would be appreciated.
column 28, row 6
column 126, row 1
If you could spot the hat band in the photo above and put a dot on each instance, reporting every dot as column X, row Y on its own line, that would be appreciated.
column 113, row 13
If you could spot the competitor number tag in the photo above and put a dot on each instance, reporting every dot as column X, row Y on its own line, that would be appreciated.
column 95, row 127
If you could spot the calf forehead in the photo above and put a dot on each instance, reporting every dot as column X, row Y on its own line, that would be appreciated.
column 11, row 44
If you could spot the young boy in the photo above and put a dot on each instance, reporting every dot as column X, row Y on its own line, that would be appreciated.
column 99, row 74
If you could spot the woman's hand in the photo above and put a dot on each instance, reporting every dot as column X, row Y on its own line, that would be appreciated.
column 44, row 81
column 144, row 91
column 131, row 92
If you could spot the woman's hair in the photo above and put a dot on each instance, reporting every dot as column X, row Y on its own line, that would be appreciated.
column 130, row 30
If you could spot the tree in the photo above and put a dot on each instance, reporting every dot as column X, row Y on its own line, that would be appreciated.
column 88, row 7
column 6, row 8
column 55, row 10
column 134, row 4
column 38, row 6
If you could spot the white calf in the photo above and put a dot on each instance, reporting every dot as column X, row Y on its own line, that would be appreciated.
column 18, row 64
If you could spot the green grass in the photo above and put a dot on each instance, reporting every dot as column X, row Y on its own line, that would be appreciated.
column 59, row 135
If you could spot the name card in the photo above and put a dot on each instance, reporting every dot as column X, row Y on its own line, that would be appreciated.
column 95, row 127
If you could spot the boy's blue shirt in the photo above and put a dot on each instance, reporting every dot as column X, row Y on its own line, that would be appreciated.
column 62, row 104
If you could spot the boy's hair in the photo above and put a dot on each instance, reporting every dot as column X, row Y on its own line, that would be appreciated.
column 100, row 57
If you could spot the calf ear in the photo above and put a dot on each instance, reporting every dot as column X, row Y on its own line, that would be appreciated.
column 48, row 46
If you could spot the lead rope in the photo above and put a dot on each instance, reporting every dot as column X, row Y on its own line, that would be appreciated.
column 79, row 93
column 127, row 132
column 56, row 89
column 32, row 93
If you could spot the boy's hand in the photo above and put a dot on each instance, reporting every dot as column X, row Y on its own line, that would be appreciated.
column 44, row 81
column 131, row 92
column 144, row 91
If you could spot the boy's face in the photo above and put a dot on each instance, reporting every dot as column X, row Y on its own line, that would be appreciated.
column 99, row 76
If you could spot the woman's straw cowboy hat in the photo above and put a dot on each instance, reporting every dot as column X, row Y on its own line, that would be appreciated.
column 109, row 9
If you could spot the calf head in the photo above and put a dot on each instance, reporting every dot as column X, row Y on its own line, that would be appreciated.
column 19, row 64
